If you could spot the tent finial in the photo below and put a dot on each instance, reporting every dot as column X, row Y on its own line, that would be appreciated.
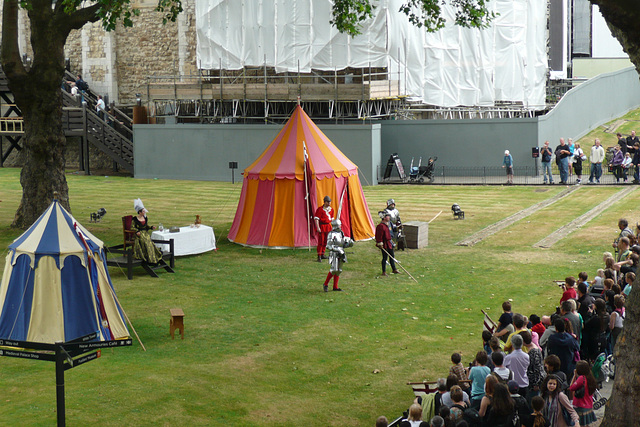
column 55, row 195
column 298, row 100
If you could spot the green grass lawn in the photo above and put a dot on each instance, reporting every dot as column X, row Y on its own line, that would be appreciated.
column 264, row 345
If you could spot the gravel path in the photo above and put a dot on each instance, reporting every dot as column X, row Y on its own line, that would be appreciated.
column 504, row 223
column 569, row 228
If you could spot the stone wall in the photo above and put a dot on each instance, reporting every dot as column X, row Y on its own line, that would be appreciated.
column 118, row 64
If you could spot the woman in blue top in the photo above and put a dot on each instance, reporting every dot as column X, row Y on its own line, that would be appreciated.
column 507, row 163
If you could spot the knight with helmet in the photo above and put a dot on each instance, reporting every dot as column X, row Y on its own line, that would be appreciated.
column 395, row 224
column 336, row 243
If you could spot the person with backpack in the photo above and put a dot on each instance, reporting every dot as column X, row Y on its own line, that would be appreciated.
column 557, row 405
column 583, row 385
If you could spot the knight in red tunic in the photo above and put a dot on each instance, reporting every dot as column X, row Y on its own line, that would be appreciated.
column 323, row 216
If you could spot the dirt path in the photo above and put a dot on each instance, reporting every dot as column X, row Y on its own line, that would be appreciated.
column 504, row 223
column 569, row 228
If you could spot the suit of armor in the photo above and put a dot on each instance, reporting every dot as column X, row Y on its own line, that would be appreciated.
column 395, row 224
column 336, row 243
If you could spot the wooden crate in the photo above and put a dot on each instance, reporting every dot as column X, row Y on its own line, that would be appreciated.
column 416, row 234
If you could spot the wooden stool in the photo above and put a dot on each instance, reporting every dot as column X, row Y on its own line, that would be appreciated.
column 176, row 322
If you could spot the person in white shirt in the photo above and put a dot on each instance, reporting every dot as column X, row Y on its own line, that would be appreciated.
column 100, row 107
column 597, row 157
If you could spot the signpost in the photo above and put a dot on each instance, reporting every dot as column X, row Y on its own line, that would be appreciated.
column 66, row 355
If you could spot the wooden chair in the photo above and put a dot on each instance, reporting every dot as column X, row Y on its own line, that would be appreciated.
column 128, row 233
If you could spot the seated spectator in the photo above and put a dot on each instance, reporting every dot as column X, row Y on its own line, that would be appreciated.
column 458, row 369
column 597, row 282
column 502, row 409
column 477, row 376
column 505, row 374
column 382, row 421
column 447, row 400
column 569, row 291
column 519, row 402
column 564, row 346
column 518, row 362
column 504, row 322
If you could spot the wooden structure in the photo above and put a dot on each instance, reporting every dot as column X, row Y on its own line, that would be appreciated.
column 176, row 322
column 416, row 234
column 262, row 95
column 11, row 122
column 123, row 257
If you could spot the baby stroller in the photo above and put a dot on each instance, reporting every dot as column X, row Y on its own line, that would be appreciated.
column 420, row 173
column 603, row 369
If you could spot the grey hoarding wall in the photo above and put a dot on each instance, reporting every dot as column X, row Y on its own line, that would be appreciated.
column 461, row 143
column 591, row 104
column 203, row 152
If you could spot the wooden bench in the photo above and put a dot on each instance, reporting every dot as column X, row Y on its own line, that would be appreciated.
column 121, row 256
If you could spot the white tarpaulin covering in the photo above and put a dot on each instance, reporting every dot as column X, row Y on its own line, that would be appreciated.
column 455, row 66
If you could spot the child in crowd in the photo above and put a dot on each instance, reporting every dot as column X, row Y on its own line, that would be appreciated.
column 505, row 322
column 477, row 375
column 569, row 289
column 629, row 278
column 382, row 421
column 537, row 417
column 555, row 402
column 504, row 373
column 597, row 282
column 536, row 325
column 458, row 369
column 486, row 337
column 415, row 416
column 582, row 278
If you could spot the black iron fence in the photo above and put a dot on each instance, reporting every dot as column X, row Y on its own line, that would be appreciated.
column 496, row 175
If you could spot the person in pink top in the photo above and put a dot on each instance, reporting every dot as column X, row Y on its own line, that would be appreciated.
column 583, row 378
column 569, row 289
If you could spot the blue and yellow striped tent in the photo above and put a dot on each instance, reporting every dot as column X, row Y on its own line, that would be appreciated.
column 56, row 286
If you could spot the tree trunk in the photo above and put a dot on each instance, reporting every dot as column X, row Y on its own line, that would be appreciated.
column 44, row 146
column 623, row 408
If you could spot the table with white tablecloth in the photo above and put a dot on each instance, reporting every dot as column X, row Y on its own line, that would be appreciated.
column 188, row 241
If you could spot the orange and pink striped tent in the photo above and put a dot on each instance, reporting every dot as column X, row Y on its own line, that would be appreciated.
column 274, row 210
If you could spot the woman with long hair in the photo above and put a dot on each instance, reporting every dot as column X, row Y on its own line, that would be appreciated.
column 502, row 409
column 617, row 319
column 583, row 378
column 556, row 402
column 485, row 404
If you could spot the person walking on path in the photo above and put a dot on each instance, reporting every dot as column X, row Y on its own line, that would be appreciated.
column 547, row 154
column 507, row 162
column 385, row 243
column 597, row 157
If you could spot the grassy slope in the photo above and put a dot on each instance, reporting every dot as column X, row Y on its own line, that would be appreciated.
column 264, row 345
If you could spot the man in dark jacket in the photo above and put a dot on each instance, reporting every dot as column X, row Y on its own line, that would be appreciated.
column 564, row 346
column 385, row 243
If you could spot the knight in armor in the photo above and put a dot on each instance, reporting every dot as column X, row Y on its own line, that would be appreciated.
column 336, row 243
column 395, row 224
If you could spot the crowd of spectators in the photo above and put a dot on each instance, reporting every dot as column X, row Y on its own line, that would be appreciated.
column 538, row 370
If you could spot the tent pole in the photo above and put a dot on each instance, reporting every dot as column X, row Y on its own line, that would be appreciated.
column 306, row 189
